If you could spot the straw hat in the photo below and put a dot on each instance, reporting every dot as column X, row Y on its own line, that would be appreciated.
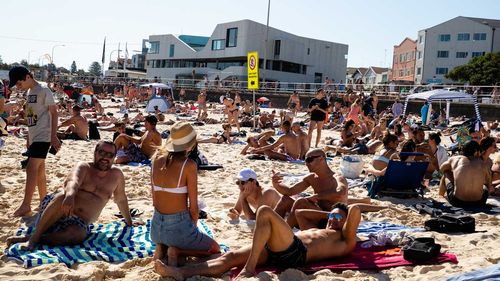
column 182, row 137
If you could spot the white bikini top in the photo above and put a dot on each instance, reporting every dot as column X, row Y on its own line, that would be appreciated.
column 178, row 189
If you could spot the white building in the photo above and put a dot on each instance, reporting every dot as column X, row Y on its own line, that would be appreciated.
column 290, row 58
column 453, row 43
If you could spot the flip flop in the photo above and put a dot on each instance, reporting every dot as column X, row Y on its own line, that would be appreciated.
column 133, row 213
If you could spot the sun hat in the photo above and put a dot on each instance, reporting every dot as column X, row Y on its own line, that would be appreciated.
column 247, row 174
column 182, row 137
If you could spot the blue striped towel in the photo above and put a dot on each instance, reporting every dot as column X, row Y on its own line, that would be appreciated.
column 112, row 242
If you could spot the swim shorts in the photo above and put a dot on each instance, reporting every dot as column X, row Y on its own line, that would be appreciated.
column 63, row 222
column 293, row 257
column 450, row 191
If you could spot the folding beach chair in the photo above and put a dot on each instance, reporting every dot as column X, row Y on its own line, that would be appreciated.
column 404, row 179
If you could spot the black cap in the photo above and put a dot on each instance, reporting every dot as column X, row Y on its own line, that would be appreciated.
column 17, row 73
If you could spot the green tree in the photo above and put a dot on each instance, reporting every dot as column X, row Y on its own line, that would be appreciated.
column 483, row 70
column 95, row 69
column 73, row 67
column 24, row 63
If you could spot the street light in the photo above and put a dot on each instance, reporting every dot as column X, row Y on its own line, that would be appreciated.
column 29, row 53
column 52, row 55
column 110, row 55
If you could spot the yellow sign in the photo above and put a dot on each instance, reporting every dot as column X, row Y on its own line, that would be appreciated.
column 253, row 70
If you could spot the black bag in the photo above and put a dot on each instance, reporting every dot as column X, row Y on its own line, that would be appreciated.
column 421, row 249
column 451, row 224
column 93, row 131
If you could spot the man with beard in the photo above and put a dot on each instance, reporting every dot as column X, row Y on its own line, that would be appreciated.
column 64, row 216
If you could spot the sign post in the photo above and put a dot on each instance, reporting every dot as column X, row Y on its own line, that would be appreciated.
column 253, row 77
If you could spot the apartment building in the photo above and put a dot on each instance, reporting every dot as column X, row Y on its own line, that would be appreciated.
column 290, row 58
column 453, row 43
column 403, row 61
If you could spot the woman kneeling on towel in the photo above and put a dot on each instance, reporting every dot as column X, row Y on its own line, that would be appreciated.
column 174, row 180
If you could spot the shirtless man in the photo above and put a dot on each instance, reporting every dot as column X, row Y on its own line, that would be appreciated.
column 328, row 188
column 257, row 141
column 291, row 146
column 252, row 195
column 78, row 126
column 132, row 149
column 466, row 178
column 304, row 143
column 275, row 244
column 64, row 216
column 202, row 103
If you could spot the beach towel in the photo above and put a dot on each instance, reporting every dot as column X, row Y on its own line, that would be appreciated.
column 370, row 227
column 374, row 258
column 112, row 242
column 436, row 208
column 143, row 163
column 489, row 273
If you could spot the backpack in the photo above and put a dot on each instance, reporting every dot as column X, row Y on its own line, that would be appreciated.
column 421, row 249
column 93, row 131
column 451, row 224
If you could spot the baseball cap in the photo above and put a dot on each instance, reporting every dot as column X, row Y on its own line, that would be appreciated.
column 17, row 73
column 247, row 174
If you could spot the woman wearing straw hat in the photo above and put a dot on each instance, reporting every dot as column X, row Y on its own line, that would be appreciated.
column 174, row 180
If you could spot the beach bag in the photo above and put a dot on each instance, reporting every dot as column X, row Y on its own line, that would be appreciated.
column 451, row 224
column 93, row 131
column 198, row 157
column 351, row 166
column 421, row 249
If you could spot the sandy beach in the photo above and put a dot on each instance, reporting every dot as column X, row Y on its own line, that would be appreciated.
column 219, row 192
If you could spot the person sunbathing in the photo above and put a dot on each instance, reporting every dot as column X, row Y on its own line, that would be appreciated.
column 466, row 178
column 132, row 149
column 252, row 196
column 328, row 188
column 257, row 141
column 291, row 149
column 218, row 138
column 64, row 216
column 495, row 176
column 78, row 126
column 304, row 144
column 174, row 180
column 275, row 244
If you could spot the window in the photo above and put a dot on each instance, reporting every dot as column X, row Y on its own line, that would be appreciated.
column 231, row 35
column 443, row 54
column 479, row 36
column 407, row 72
column 218, row 44
column 463, row 37
column 401, row 73
column 401, row 58
column 441, row 70
column 419, row 70
column 412, row 55
column 477, row 54
column 462, row 55
column 277, row 47
column 408, row 57
column 171, row 50
column 444, row 37
column 308, row 51
column 420, row 39
column 419, row 54
column 154, row 47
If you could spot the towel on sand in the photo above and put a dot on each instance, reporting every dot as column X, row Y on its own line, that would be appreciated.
column 112, row 242
column 489, row 273
column 375, row 258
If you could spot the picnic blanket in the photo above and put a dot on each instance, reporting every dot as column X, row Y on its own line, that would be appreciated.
column 374, row 258
column 111, row 242
column 489, row 273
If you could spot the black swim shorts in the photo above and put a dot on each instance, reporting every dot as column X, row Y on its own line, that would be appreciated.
column 450, row 192
column 38, row 150
column 293, row 257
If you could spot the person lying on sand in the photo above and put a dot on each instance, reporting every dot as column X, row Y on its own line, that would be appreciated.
column 219, row 138
column 291, row 149
column 275, row 244
column 328, row 188
column 131, row 149
column 252, row 196
column 64, row 216
column 257, row 141
column 78, row 126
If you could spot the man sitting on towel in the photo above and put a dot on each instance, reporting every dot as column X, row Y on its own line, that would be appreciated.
column 275, row 244
column 64, row 216
column 252, row 195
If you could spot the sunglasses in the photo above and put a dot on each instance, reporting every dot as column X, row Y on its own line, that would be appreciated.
column 105, row 154
column 311, row 158
column 335, row 216
column 238, row 182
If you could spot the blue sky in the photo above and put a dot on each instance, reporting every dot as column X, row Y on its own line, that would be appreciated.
column 370, row 28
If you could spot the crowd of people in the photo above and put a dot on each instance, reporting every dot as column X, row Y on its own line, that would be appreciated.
column 328, row 218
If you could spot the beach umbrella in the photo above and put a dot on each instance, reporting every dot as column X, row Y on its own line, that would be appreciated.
column 262, row 99
column 157, row 85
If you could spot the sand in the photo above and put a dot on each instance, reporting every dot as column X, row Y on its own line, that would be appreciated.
column 219, row 192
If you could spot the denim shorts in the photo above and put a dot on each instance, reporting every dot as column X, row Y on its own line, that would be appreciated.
column 178, row 230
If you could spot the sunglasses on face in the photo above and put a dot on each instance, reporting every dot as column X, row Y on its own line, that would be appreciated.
column 311, row 158
column 238, row 182
column 105, row 154
column 335, row 216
